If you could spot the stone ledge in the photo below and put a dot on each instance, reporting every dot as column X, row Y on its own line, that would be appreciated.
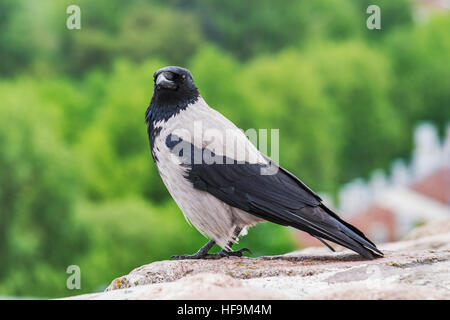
column 413, row 269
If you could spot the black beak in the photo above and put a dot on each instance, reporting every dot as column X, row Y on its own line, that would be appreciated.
column 162, row 81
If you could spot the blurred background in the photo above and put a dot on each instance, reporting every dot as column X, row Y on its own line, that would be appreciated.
column 77, row 182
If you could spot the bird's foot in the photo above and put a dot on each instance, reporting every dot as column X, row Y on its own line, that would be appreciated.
column 218, row 255
column 238, row 253
column 227, row 254
column 200, row 254
column 190, row 256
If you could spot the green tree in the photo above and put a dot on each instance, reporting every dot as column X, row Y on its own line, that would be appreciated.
column 117, row 160
column 29, row 36
column 250, row 28
column 422, row 73
column 158, row 32
column 38, row 189
column 137, row 33
column 394, row 14
column 357, row 79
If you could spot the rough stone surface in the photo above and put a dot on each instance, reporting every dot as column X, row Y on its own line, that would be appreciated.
column 418, row 268
column 430, row 229
column 202, row 286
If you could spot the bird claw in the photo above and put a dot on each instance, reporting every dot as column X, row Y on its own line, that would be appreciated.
column 218, row 255
column 189, row 256
column 238, row 253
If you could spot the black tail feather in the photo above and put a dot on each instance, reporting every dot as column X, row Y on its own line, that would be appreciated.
column 325, row 243
column 319, row 222
column 322, row 223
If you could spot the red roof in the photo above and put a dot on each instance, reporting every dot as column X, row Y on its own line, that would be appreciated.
column 436, row 186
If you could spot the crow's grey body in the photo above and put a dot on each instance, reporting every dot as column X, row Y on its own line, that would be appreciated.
column 209, row 215
column 240, row 186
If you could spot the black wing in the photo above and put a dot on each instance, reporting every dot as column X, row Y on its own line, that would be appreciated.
column 280, row 197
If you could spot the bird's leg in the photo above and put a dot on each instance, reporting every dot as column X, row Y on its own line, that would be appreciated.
column 200, row 254
column 239, row 253
column 203, row 252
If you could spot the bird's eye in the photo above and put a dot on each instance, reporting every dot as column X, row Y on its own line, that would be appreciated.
column 170, row 75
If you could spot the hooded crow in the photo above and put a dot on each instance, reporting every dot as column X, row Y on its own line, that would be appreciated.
column 222, row 183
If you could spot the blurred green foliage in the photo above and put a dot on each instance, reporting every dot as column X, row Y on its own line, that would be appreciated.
column 357, row 79
column 38, row 191
column 77, row 183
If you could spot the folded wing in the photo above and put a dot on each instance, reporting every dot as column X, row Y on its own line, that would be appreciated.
column 279, row 197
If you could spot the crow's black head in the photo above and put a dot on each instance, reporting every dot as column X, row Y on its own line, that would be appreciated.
column 174, row 90
column 173, row 86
